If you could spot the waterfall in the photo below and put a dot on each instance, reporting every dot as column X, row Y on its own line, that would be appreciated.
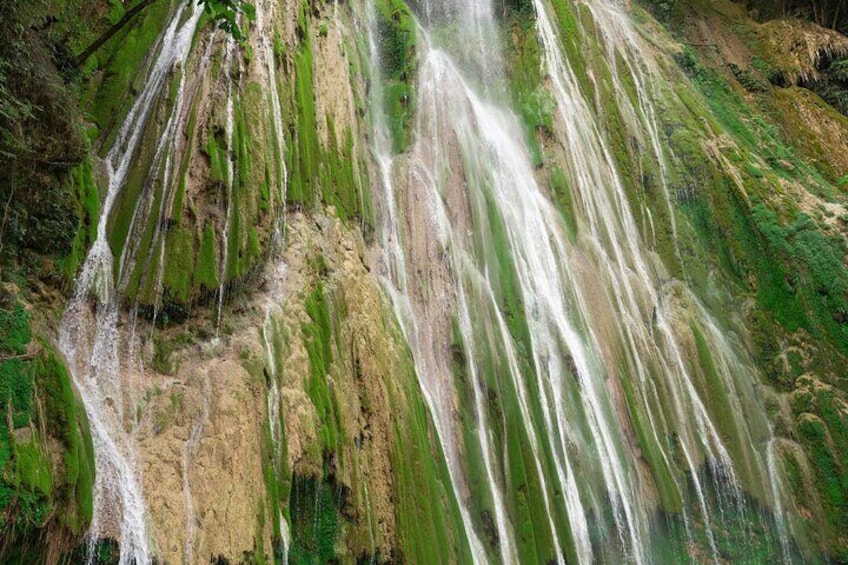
column 395, row 276
column 89, row 339
column 102, row 349
column 611, row 357
column 269, row 334
column 265, row 17
column 779, row 516
column 229, row 132
column 589, row 406
column 285, row 539
column 89, row 335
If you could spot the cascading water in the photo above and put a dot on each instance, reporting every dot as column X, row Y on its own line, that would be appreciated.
column 621, row 40
column 265, row 18
column 395, row 277
column 736, row 377
column 579, row 393
column 101, row 347
column 89, row 335
column 229, row 132
column 576, row 343
column 270, row 331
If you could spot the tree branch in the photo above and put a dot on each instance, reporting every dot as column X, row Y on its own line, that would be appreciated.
column 100, row 41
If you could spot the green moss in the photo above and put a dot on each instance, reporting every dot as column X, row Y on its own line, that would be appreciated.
column 88, row 212
column 32, row 469
column 396, row 36
column 305, row 146
column 180, row 258
column 125, row 223
column 318, row 335
column 320, row 173
column 533, row 533
column 340, row 184
column 530, row 97
column 218, row 159
column 480, row 500
column 567, row 16
column 206, row 270
column 561, row 193
column 818, row 290
column 814, row 435
column 718, row 402
column 120, row 65
column 316, row 521
column 743, row 533
column 670, row 495
column 162, row 350
column 15, row 331
column 792, row 265
column 36, row 492
column 428, row 516
column 822, row 427
column 179, row 197
column 747, row 225
column 66, row 421
column 275, row 468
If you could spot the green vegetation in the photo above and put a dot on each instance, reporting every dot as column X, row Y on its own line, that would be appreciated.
column 334, row 482
column 40, row 141
column 275, row 468
column 832, row 86
column 341, row 187
column 561, row 194
column 88, row 212
column 784, row 256
column 799, row 268
column 225, row 13
column 524, row 65
column 40, row 487
column 743, row 532
column 822, row 280
column 51, row 206
column 304, row 147
column 318, row 336
column 318, row 339
column 206, row 270
column 316, row 520
column 744, row 232
column 822, row 427
column 396, row 42
column 424, row 503
column 320, row 173
column 117, row 70
column 40, row 136
column 106, row 552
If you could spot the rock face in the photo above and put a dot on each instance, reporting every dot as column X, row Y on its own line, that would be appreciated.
column 323, row 337
column 200, row 458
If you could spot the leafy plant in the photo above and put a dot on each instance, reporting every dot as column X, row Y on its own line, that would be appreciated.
column 226, row 14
